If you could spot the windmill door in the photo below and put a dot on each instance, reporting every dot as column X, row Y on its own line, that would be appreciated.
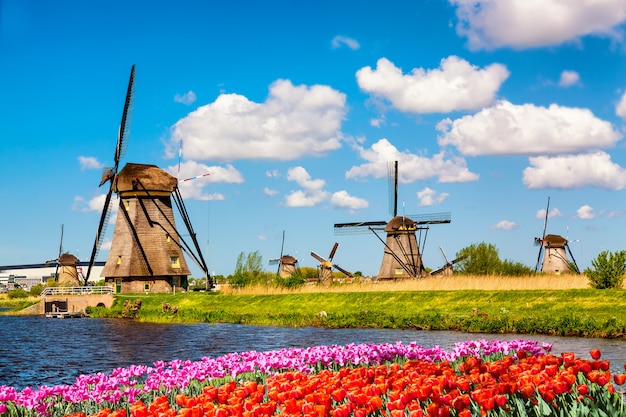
column 118, row 285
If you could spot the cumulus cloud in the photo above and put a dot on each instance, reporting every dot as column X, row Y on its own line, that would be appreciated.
column 269, row 192
column 341, row 199
column 575, row 171
column 188, row 98
column 339, row 41
column 620, row 110
column 569, row 78
column 312, row 192
column 489, row 24
column 455, row 85
column 411, row 167
column 509, row 129
column 555, row 212
column 293, row 122
column 585, row 212
column 89, row 162
column 504, row 225
column 430, row 197
column 193, row 179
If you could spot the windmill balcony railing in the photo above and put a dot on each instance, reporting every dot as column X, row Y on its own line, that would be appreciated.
column 77, row 290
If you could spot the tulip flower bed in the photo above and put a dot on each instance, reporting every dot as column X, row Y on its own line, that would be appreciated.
column 478, row 378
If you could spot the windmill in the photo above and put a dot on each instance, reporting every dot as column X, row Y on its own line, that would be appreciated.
column 401, row 257
column 287, row 264
column 326, row 266
column 554, row 249
column 448, row 268
column 147, row 250
column 66, row 263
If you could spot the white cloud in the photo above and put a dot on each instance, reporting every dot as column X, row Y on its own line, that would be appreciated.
column 504, row 225
column 339, row 41
column 89, row 162
column 411, row 167
column 269, row 192
column 585, row 212
column 455, row 85
column 430, row 197
column 272, row 174
column 312, row 192
column 341, row 199
column 193, row 179
column 555, row 212
column 294, row 121
column 509, row 129
column 489, row 24
column 188, row 98
column 620, row 110
column 575, row 171
column 569, row 78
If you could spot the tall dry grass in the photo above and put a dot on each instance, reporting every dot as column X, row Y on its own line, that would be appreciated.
column 451, row 283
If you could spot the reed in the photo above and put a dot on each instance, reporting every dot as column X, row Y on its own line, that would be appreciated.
column 451, row 283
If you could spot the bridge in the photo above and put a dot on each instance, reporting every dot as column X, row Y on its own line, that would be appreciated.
column 72, row 301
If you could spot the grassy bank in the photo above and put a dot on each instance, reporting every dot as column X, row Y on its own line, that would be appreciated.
column 570, row 311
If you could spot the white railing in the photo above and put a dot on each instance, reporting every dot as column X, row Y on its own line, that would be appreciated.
column 76, row 290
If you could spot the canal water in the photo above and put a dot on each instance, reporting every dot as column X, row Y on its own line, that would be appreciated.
column 36, row 351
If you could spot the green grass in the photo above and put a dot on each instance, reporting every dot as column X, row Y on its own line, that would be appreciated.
column 575, row 312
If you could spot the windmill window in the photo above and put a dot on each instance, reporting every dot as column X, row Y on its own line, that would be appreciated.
column 167, row 238
column 119, row 260
column 127, row 205
column 174, row 261
column 398, row 271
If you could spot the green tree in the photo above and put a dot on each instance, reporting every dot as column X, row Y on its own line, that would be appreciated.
column 248, row 269
column 608, row 270
column 478, row 259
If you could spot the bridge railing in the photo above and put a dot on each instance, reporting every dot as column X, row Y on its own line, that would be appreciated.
column 77, row 290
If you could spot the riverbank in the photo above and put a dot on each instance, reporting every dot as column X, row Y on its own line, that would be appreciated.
column 470, row 304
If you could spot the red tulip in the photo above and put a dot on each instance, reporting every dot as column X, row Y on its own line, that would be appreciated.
column 619, row 379
column 595, row 354
column 583, row 389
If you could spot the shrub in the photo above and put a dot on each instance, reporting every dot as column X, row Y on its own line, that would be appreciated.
column 608, row 270
column 18, row 293
column 36, row 289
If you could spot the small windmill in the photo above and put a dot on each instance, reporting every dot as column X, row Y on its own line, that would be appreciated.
column 326, row 266
column 147, row 251
column 554, row 249
column 66, row 271
column 287, row 264
column 448, row 268
column 402, row 256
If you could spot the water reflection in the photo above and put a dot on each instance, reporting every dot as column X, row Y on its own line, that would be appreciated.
column 37, row 351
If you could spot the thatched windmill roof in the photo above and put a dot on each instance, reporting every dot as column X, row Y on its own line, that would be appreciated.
column 151, row 178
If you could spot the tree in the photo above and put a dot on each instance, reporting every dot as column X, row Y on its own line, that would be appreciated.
column 479, row 259
column 248, row 269
column 608, row 270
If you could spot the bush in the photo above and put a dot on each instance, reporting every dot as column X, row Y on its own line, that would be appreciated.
column 18, row 293
column 36, row 289
column 608, row 270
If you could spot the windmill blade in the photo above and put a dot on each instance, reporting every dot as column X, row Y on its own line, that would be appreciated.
column 125, row 123
column 543, row 236
column 318, row 258
column 100, row 233
column 340, row 269
column 443, row 254
column 332, row 252
column 459, row 259
column 392, row 177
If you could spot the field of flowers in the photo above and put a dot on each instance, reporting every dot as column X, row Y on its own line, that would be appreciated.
column 476, row 378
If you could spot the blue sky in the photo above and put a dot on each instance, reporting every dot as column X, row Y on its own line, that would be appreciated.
column 295, row 110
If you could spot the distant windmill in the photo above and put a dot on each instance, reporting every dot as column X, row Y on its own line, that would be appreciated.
column 66, row 271
column 326, row 266
column 554, row 249
column 448, row 268
column 287, row 264
column 402, row 257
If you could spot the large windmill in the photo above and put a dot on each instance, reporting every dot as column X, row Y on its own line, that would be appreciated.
column 402, row 257
column 326, row 266
column 554, row 249
column 287, row 265
column 147, row 250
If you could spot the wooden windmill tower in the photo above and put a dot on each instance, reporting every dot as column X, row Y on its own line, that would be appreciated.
column 401, row 257
column 326, row 266
column 554, row 249
column 287, row 264
column 147, row 251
